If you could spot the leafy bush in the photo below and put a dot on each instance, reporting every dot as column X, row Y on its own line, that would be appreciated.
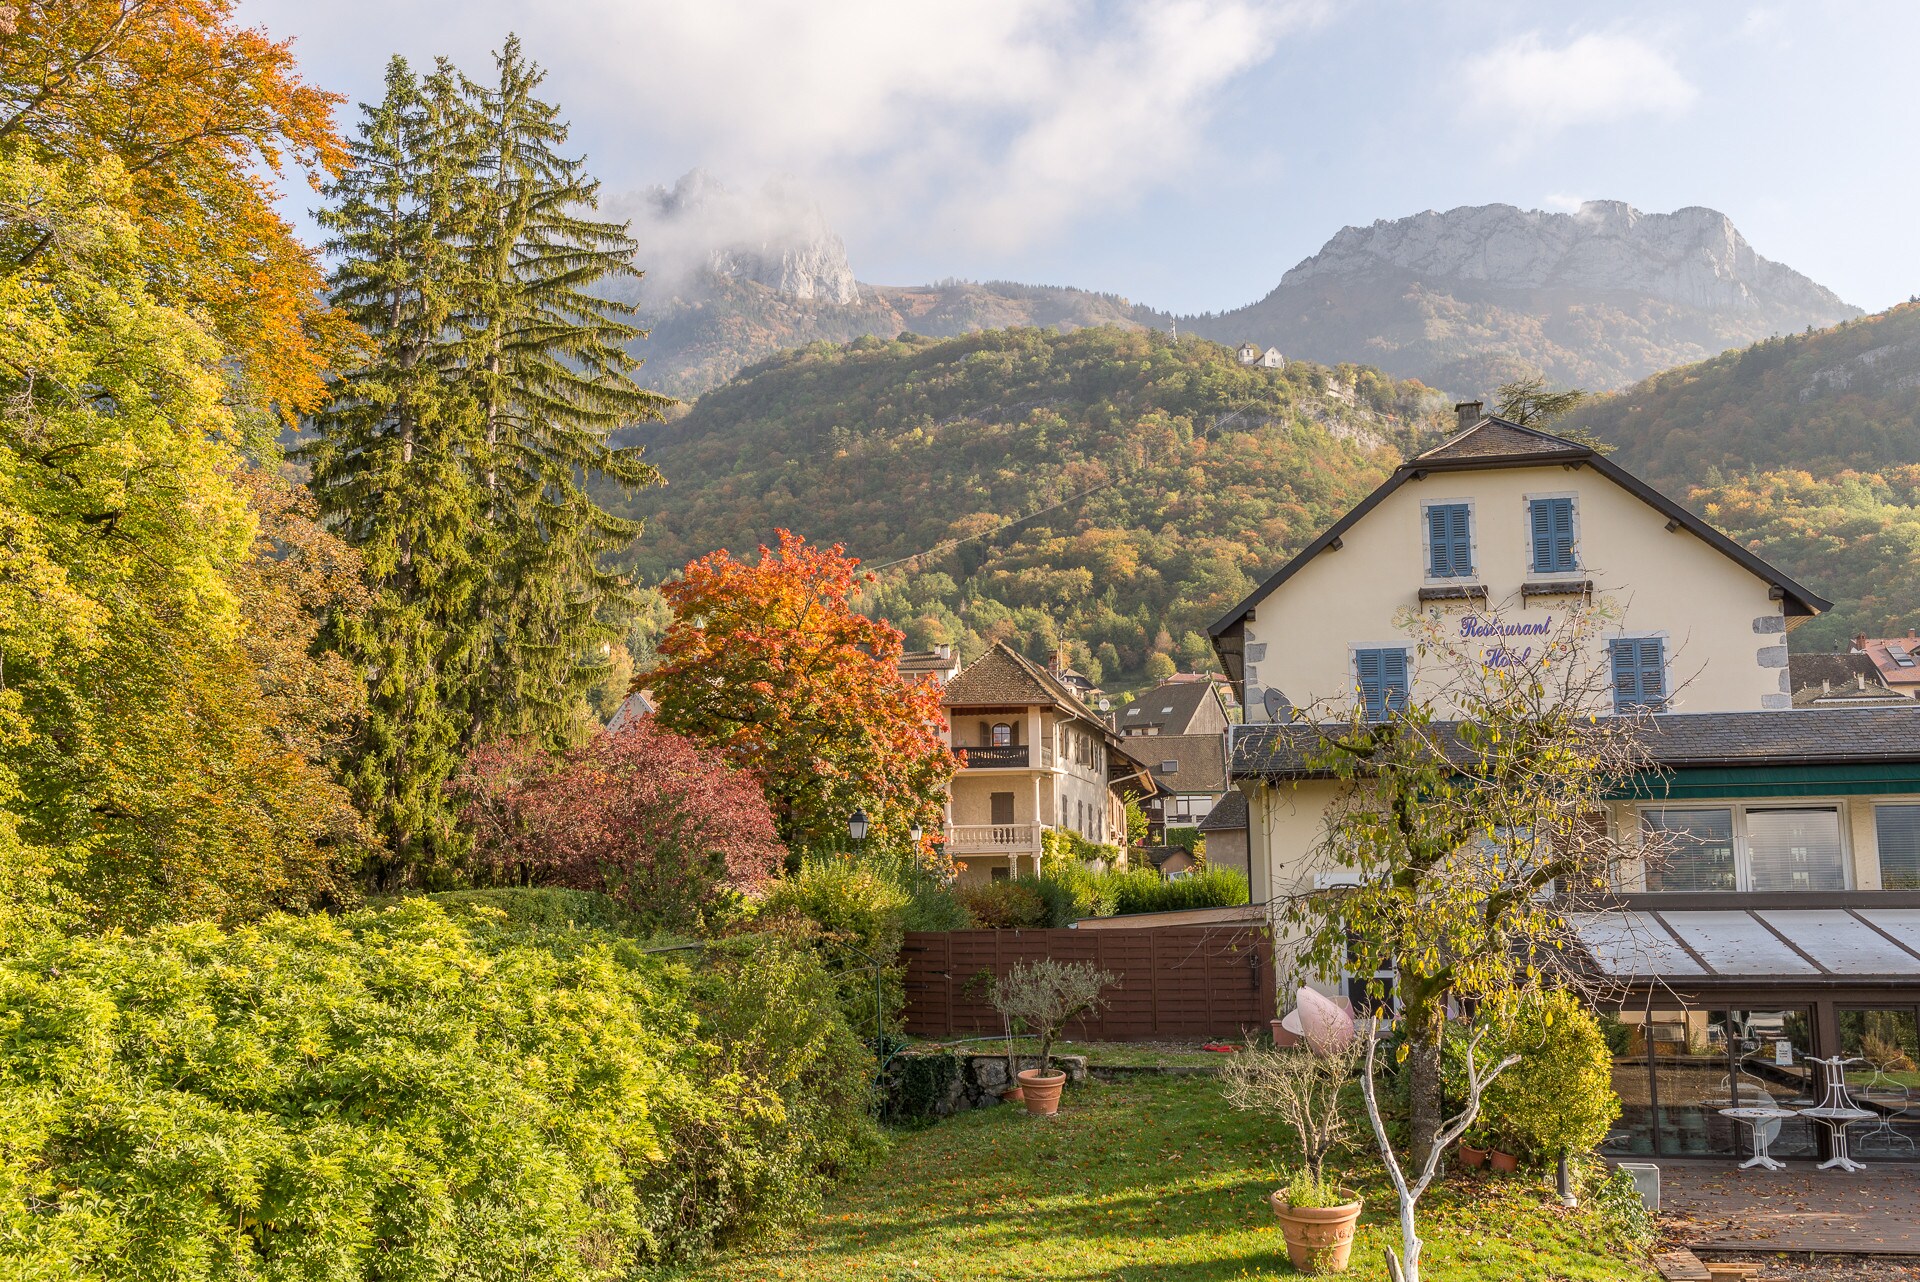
column 1559, row 1098
column 540, row 908
column 391, row 1096
column 861, row 918
column 1306, row 1190
column 1622, row 1210
column 1189, row 840
column 1004, row 905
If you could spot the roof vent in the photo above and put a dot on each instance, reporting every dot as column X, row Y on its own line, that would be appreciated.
column 1470, row 412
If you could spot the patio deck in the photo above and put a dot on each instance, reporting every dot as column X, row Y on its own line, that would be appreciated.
column 1713, row 1206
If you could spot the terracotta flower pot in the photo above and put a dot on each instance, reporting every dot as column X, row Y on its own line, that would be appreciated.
column 1012, row 1095
column 1041, row 1091
column 1506, row 1163
column 1319, row 1238
column 1471, row 1157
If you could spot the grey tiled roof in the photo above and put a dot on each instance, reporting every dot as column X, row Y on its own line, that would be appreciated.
column 1809, row 670
column 1803, row 736
column 1172, row 706
column 1492, row 437
column 1228, row 814
column 1001, row 677
column 1199, row 760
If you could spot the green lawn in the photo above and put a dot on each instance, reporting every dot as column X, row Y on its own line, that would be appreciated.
column 1152, row 1180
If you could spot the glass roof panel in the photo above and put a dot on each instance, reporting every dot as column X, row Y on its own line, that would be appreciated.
column 1842, row 942
column 1902, row 923
column 1629, row 944
column 1733, row 943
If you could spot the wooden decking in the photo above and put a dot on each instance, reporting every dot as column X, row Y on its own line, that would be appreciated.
column 1712, row 1206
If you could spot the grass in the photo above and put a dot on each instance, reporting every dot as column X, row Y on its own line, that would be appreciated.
column 1151, row 1180
column 1099, row 1054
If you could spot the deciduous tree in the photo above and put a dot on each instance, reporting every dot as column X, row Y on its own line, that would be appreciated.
column 769, row 662
column 666, row 827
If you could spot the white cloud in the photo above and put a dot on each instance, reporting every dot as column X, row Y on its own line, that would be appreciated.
column 1532, row 90
column 1004, row 120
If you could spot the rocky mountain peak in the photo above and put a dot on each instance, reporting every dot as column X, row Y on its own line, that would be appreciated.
column 1694, row 257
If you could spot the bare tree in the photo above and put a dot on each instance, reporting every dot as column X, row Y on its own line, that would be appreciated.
column 1301, row 1086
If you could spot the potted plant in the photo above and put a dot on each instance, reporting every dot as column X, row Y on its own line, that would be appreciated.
column 1317, row 1218
column 1044, row 995
column 1504, row 1161
column 1473, row 1150
column 1301, row 1086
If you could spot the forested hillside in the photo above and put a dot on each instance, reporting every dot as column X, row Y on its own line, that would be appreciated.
column 1151, row 481
column 1807, row 449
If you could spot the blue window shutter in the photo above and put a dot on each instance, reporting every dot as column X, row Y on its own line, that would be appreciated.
column 1639, row 674
column 1383, row 681
column 1393, row 679
column 1449, row 546
column 1367, row 665
column 1552, row 521
column 1439, row 547
column 1462, row 541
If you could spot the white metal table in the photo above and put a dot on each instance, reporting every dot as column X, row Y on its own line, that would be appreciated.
column 1765, row 1124
column 1836, row 1111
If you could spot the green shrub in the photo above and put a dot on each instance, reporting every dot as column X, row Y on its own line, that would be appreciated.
column 1622, row 1210
column 1143, row 890
column 1189, row 840
column 545, row 908
column 1304, row 1191
column 1004, row 905
column 394, row 1095
column 1559, row 1098
column 850, row 904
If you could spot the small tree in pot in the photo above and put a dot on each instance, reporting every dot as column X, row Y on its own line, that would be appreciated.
column 1044, row 995
column 1301, row 1086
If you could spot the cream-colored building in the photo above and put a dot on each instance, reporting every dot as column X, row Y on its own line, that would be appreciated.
column 1035, row 758
column 1784, row 918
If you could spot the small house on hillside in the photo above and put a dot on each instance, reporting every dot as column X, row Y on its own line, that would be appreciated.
column 1035, row 757
column 1249, row 353
column 1272, row 359
column 941, row 663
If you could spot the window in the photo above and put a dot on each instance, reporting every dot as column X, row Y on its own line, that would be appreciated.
column 1170, row 767
column 1000, row 807
column 1552, row 522
column 1691, row 849
column 1002, row 735
column 1639, row 674
column 1381, row 676
column 1745, row 848
column 1795, row 850
column 1449, row 541
column 1899, row 831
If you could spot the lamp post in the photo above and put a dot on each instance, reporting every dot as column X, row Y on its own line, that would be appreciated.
column 857, row 826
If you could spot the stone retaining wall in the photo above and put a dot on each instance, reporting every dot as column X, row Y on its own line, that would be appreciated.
column 918, row 1086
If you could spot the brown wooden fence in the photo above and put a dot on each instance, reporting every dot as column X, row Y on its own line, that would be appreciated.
column 1176, row 982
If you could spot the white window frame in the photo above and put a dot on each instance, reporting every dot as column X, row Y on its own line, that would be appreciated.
column 1426, row 540
column 1579, row 541
column 1742, row 858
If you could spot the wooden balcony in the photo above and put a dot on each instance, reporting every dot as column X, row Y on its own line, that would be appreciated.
column 1014, row 757
column 994, row 839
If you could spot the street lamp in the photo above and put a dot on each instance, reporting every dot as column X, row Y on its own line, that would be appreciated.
column 913, row 835
column 857, row 825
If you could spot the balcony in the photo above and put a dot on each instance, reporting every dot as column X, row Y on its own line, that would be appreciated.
column 1014, row 757
column 995, row 839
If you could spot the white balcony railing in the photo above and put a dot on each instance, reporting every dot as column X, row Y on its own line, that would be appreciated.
column 994, row 839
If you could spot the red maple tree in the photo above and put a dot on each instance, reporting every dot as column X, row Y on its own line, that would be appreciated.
column 769, row 662
column 661, row 824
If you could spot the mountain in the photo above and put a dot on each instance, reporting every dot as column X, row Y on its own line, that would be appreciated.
column 1807, row 449
column 1461, row 300
column 733, row 278
column 1125, row 489
column 1469, row 298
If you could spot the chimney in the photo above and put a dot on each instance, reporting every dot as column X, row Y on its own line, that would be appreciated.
column 1470, row 412
column 1860, row 680
column 1826, row 686
column 1860, row 643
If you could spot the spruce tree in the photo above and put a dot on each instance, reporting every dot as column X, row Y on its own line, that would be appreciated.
column 392, row 462
column 553, row 380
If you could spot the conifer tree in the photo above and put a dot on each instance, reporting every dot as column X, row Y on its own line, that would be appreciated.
column 553, row 380
column 392, row 466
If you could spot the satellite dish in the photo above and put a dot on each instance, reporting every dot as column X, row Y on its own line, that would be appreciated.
column 1275, row 702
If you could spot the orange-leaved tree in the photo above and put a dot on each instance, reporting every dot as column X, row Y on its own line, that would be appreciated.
column 201, row 114
column 770, row 662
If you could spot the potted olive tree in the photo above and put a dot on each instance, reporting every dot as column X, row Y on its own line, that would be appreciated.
column 1301, row 1085
column 1044, row 995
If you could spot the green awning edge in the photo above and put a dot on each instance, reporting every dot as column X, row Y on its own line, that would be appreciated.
column 1851, row 779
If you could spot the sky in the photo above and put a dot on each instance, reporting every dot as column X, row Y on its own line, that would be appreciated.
column 1186, row 153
